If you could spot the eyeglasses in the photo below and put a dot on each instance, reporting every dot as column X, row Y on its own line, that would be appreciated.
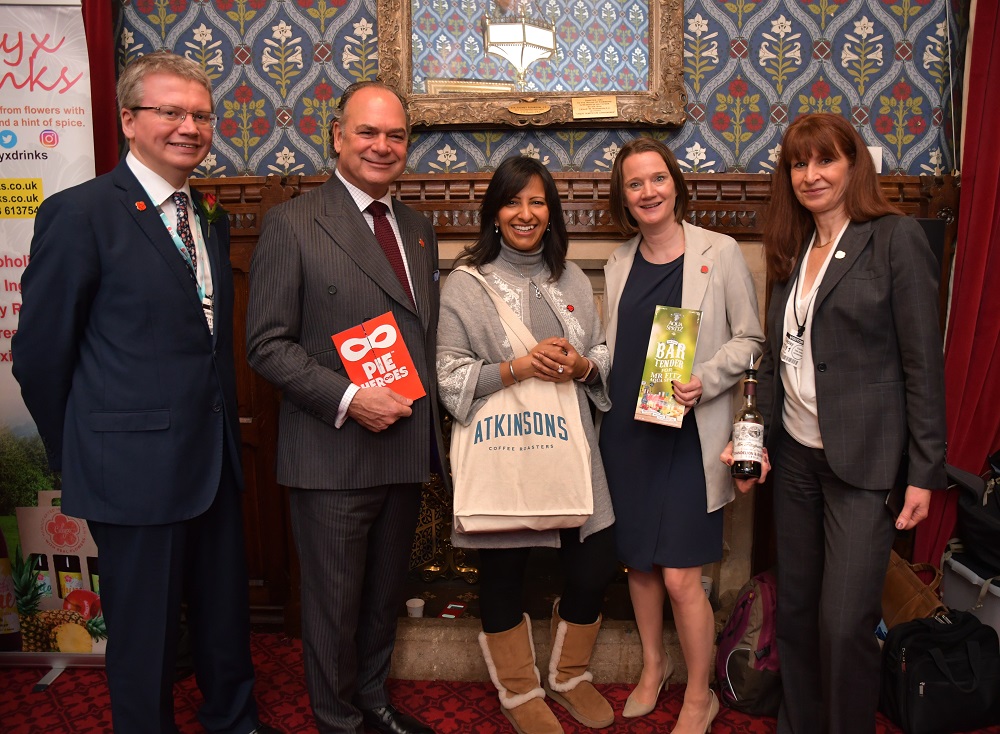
column 176, row 115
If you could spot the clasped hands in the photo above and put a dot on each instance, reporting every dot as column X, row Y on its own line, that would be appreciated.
column 554, row 360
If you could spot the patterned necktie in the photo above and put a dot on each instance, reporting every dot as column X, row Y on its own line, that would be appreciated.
column 387, row 241
column 184, row 228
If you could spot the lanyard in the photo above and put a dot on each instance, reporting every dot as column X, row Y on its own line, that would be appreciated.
column 796, row 296
column 797, row 286
column 200, row 281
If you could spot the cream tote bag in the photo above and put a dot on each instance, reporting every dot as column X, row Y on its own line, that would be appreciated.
column 523, row 463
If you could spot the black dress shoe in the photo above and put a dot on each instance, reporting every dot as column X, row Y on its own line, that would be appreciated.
column 387, row 720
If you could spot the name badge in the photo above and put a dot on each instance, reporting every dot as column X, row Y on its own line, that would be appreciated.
column 791, row 349
column 206, row 307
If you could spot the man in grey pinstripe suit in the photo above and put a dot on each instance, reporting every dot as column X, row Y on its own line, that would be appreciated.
column 354, row 458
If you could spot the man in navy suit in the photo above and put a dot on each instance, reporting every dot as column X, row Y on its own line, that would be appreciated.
column 124, row 354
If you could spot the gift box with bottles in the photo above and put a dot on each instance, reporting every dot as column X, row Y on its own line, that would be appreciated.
column 56, row 581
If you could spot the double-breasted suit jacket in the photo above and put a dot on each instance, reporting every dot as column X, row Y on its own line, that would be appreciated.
column 877, row 356
column 317, row 271
column 132, row 393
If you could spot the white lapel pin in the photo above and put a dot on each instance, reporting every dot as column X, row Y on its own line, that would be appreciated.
column 840, row 254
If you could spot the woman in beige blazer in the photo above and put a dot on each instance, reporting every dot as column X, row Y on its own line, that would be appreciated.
column 667, row 485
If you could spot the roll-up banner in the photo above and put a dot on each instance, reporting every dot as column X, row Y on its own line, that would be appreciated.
column 50, row 611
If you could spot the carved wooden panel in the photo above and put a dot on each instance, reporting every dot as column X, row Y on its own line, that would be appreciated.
column 730, row 203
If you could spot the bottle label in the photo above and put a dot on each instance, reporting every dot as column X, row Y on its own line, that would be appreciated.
column 748, row 441
column 44, row 583
column 70, row 581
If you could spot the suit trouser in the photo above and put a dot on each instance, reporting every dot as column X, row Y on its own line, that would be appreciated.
column 354, row 550
column 833, row 550
column 147, row 572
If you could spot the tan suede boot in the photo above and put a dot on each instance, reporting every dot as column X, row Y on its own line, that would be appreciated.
column 569, row 681
column 510, row 658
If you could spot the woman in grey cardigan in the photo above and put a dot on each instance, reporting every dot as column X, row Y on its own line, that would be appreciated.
column 521, row 253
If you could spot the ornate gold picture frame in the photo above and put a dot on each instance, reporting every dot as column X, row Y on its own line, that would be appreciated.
column 662, row 103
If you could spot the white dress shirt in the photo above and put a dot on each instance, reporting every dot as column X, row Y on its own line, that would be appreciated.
column 160, row 192
column 363, row 200
column 799, row 412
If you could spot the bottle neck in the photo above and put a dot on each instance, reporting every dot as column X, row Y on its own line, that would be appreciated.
column 750, row 393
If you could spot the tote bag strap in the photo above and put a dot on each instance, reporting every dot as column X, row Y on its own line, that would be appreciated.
column 517, row 332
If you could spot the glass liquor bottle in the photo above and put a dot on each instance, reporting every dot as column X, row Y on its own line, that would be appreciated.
column 748, row 432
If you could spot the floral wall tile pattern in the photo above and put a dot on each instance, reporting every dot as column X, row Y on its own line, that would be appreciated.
column 750, row 68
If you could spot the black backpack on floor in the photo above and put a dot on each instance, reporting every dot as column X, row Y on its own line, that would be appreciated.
column 941, row 675
column 746, row 661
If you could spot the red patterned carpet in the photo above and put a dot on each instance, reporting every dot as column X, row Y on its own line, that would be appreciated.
column 77, row 702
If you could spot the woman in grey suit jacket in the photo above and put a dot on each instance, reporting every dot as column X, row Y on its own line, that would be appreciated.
column 667, row 486
column 851, row 388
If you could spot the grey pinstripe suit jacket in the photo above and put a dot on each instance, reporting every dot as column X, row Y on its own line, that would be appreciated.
column 877, row 354
column 318, row 270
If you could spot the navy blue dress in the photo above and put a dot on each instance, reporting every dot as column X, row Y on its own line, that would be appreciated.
column 655, row 473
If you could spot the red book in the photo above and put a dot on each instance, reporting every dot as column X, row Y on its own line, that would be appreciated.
column 375, row 355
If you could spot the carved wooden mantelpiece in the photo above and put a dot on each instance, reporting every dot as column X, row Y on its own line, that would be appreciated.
column 731, row 203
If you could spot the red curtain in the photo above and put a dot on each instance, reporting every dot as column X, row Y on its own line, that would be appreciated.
column 972, row 358
column 98, row 25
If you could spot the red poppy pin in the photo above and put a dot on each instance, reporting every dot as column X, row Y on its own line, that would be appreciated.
column 570, row 308
column 140, row 205
column 704, row 268
column 422, row 243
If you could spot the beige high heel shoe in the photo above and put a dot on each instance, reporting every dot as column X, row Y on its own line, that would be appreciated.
column 713, row 711
column 634, row 709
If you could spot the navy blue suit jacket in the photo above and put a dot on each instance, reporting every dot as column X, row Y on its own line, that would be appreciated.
column 132, row 394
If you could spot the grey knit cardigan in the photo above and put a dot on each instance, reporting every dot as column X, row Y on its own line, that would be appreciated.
column 470, row 335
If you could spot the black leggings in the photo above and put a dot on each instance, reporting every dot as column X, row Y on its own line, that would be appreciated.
column 588, row 566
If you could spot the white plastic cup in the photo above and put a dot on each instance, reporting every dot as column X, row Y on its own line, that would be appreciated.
column 706, row 584
column 414, row 607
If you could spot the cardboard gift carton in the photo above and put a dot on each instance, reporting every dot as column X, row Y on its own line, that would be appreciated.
column 57, row 582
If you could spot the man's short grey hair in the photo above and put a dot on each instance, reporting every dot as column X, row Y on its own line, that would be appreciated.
column 350, row 92
column 160, row 62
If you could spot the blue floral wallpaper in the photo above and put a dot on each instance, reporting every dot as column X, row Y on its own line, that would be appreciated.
column 750, row 68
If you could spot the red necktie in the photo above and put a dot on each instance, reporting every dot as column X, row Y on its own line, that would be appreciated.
column 387, row 241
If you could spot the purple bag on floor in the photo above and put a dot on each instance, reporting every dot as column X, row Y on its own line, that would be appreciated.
column 746, row 662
